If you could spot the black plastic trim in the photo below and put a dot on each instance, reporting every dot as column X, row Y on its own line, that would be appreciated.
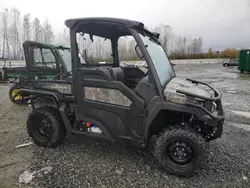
column 44, row 92
column 216, row 99
column 63, row 113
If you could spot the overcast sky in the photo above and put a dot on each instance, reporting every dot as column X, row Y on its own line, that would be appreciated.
column 221, row 23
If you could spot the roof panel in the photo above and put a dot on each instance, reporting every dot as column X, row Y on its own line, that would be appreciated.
column 130, row 23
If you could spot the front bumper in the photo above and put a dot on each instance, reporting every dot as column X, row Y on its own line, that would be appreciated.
column 214, row 119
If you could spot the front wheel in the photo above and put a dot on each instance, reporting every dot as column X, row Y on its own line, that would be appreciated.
column 179, row 150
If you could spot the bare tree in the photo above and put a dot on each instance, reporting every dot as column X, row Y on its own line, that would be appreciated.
column 199, row 45
column 165, row 34
column 62, row 37
column 66, row 36
column 183, row 46
column 4, row 31
column 132, row 53
column 14, row 31
column 48, row 34
column 37, row 30
column 26, row 27
column 195, row 46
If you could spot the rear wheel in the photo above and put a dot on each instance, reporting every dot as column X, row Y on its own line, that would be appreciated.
column 226, row 65
column 45, row 127
column 179, row 149
column 12, row 91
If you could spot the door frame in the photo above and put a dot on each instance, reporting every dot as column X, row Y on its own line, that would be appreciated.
column 29, row 58
column 129, row 115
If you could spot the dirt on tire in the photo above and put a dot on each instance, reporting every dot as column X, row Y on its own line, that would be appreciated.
column 180, row 133
column 51, row 117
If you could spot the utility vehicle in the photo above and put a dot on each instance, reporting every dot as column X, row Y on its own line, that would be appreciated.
column 126, row 104
column 43, row 61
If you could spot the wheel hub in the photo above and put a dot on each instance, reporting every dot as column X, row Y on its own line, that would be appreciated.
column 18, row 97
column 44, row 129
column 180, row 152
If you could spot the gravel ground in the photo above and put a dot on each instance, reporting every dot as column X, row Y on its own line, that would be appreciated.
column 91, row 163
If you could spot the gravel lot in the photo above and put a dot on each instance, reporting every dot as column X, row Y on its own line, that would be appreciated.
column 92, row 163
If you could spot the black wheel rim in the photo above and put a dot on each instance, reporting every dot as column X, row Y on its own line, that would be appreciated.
column 179, row 152
column 44, row 129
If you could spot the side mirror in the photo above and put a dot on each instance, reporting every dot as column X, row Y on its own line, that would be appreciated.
column 138, row 52
column 156, row 34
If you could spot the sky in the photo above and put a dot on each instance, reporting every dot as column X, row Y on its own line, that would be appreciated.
column 221, row 23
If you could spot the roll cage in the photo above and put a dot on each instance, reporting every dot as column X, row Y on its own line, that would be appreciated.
column 113, row 29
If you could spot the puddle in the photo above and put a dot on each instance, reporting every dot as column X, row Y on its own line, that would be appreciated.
column 241, row 113
column 231, row 91
column 245, row 76
column 228, row 104
column 241, row 126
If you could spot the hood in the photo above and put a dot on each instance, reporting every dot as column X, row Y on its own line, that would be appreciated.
column 184, row 85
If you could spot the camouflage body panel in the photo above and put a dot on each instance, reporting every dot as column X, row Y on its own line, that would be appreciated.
column 107, row 95
column 184, row 85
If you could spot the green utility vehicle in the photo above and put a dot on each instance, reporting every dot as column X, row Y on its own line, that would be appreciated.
column 43, row 61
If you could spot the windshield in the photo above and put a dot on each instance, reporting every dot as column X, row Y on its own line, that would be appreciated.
column 161, row 62
column 66, row 55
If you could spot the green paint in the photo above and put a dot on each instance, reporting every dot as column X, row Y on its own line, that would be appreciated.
column 244, row 60
column 14, row 75
column 49, row 77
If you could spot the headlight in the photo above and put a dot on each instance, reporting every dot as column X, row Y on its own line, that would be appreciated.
column 182, row 99
column 214, row 106
column 176, row 97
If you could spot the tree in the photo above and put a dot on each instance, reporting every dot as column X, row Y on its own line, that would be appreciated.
column 14, row 31
column 195, row 47
column 48, row 34
column 4, row 33
column 66, row 39
column 210, row 53
column 37, row 29
column 26, row 27
column 229, row 53
column 199, row 45
column 165, row 34
column 183, row 46
column 63, row 37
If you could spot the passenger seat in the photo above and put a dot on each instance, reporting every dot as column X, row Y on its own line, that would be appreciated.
column 117, row 74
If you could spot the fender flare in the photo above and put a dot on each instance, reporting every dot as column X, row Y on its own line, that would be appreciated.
column 62, row 107
column 55, row 96
column 166, row 105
